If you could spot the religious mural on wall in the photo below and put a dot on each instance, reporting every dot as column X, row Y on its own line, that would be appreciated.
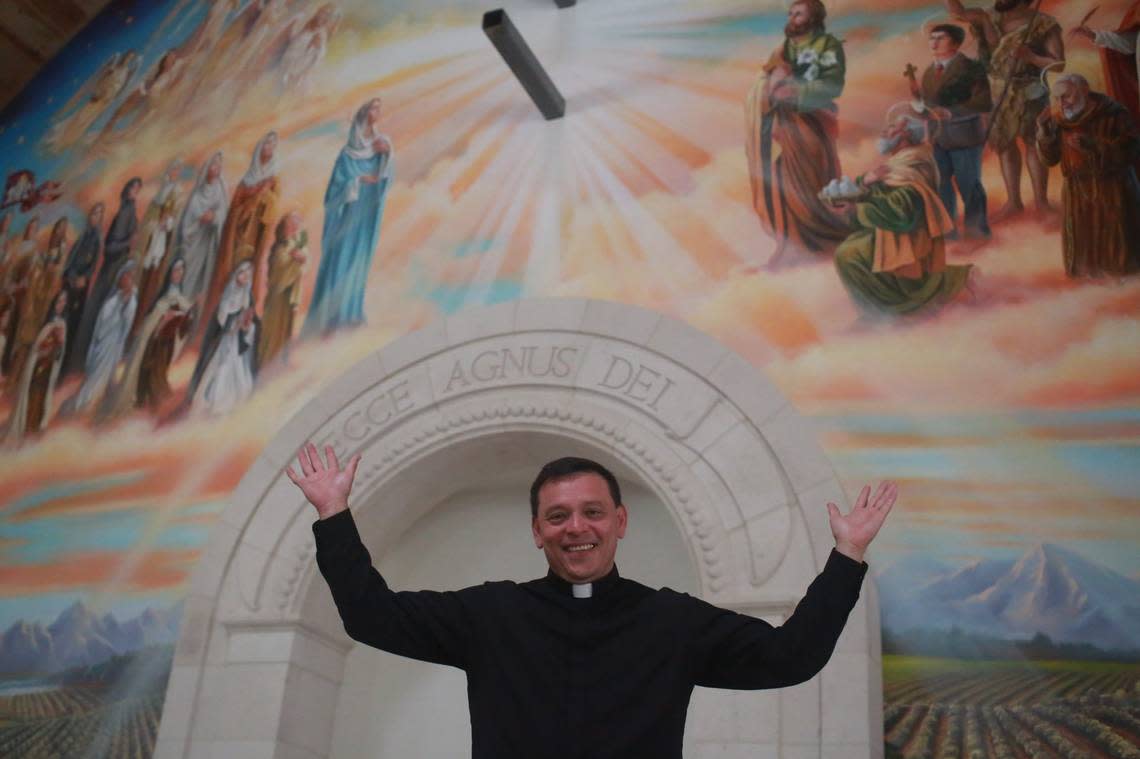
column 919, row 218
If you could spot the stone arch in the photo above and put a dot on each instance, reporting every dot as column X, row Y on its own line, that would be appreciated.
column 732, row 461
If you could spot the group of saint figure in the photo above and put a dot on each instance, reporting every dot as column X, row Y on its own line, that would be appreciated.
column 889, row 230
column 264, row 41
column 220, row 273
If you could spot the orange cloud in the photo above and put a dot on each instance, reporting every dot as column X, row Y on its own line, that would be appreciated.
column 148, row 477
column 154, row 570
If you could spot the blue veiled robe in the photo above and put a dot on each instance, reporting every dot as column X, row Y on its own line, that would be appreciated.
column 348, row 241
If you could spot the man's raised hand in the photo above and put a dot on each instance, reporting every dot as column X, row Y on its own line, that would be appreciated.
column 855, row 530
column 326, row 487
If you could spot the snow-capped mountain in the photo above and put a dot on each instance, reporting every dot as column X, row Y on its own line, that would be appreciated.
column 79, row 637
column 1048, row 589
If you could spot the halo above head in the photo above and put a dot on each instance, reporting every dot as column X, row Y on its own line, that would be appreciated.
column 904, row 108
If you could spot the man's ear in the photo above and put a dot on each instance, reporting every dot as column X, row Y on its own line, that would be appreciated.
column 623, row 520
column 534, row 532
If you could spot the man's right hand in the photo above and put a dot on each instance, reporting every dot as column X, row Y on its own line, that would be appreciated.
column 326, row 487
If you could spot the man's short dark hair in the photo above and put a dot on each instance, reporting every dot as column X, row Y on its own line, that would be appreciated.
column 568, row 466
column 956, row 33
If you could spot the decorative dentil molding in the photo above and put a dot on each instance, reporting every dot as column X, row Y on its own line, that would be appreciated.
column 650, row 407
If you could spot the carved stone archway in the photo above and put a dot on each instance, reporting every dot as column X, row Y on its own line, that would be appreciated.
column 260, row 657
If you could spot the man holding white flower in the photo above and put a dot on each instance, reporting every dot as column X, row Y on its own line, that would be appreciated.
column 894, row 260
column 792, row 131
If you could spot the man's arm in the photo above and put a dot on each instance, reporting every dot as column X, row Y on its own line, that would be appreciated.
column 977, row 18
column 1054, row 50
column 737, row 651
column 1121, row 43
column 1048, row 139
column 894, row 209
column 421, row 625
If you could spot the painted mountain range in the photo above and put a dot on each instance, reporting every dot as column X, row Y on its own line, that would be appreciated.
column 1048, row 589
column 80, row 637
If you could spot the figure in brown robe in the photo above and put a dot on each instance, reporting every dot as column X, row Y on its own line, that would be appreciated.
column 35, row 389
column 21, row 254
column 1096, row 142
column 792, row 130
column 162, row 335
column 248, row 229
column 286, row 262
column 40, row 285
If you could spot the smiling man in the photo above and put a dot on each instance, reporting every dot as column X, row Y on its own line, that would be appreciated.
column 582, row 662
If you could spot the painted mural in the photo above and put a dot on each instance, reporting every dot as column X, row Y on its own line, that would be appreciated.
column 921, row 219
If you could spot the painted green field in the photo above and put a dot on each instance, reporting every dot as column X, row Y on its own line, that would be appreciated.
column 1010, row 709
column 78, row 721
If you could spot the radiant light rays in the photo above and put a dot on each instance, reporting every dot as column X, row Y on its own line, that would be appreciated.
column 647, row 108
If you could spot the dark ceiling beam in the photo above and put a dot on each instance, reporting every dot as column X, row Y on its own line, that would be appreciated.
column 522, row 61
column 32, row 32
column 61, row 16
column 12, row 40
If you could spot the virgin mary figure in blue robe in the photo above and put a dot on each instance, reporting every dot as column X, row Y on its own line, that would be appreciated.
column 354, row 204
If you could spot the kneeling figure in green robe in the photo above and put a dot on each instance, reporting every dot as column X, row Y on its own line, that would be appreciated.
column 894, row 260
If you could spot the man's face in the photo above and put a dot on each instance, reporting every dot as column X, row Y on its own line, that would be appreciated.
column 578, row 526
column 942, row 46
column 133, row 190
column 1072, row 100
column 894, row 137
column 799, row 20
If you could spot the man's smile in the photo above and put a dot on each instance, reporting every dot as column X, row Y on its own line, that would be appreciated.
column 581, row 547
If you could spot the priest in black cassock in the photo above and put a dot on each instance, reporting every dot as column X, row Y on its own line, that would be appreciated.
column 582, row 663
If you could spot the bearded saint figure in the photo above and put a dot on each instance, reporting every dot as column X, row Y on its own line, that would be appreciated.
column 793, row 125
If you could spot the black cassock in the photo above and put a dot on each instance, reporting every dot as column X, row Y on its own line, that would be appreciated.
column 551, row 675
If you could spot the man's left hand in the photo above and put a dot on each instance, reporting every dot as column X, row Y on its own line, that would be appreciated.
column 855, row 530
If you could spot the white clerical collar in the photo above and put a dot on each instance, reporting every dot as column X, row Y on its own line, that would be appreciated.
column 582, row 590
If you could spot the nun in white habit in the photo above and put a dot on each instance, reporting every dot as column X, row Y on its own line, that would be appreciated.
column 229, row 348
column 116, row 314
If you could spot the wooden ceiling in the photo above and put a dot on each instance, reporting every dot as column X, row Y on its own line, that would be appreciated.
column 32, row 32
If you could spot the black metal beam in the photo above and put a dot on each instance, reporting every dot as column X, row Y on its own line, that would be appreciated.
column 565, row 3
column 518, row 56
